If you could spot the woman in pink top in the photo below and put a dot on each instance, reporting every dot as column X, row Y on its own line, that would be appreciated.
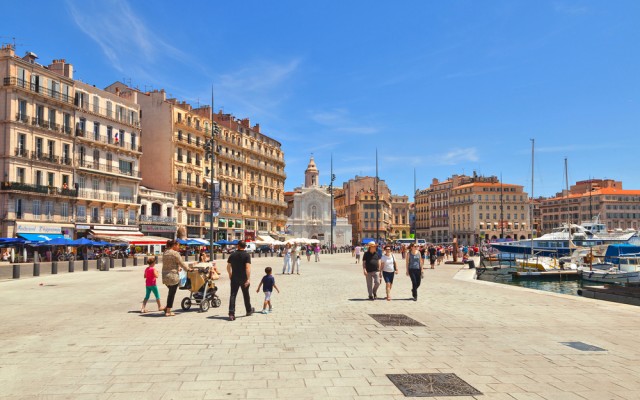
column 150, row 276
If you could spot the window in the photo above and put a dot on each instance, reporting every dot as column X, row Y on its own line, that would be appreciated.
column 22, row 145
column 126, row 167
column 133, row 142
column 95, row 214
column 95, row 184
column 64, row 210
column 39, row 147
column 96, row 131
column 81, row 182
column 132, row 215
column 65, row 180
column 19, row 208
column 120, row 216
column 36, row 209
column 96, row 104
column 108, row 186
column 52, row 118
column 48, row 210
column 109, row 109
column 66, row 123
column 82, row 212
column 51, row 148
column 38, row 178
column 82, row 126
column 109, row 135
column 108, row 215
column 50, row 179
column 66, row 148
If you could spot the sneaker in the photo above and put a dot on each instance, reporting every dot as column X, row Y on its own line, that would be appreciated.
column 251, row 312
column 232, row 317
column 370, row 297
column 270, row 309
column 264, row 311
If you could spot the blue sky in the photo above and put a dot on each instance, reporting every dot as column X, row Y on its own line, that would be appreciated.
column 442, row 87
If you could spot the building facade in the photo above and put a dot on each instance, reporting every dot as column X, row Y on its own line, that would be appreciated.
column 605, row 199
column 400, row 221
column 358, row 200
column 70, row 160
column 311, row 213
column 487, row 210
column 156, row 210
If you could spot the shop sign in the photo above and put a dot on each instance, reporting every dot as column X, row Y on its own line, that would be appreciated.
column 46, row 229
column 157, row 228
column 82, row 227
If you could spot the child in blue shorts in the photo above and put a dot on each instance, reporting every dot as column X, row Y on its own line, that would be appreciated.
column 268, row 283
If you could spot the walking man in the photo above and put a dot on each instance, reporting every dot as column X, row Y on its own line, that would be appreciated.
column 239, row 269
column 371, row 270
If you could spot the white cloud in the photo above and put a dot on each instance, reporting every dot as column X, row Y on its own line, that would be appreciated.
column 340, row 120
column 122, row 36
column 458, row 156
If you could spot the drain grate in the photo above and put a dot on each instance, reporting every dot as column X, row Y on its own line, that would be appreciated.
column 395, row 320
column 432, row 385
column 582, row 346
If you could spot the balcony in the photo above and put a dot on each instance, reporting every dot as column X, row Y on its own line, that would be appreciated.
column 21, row 152
column 104, row 196
column 24, row 118
column 107, row 168
column 49, row 190
column 32, row 87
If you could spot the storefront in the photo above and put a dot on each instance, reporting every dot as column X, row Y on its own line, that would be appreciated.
column 30, row 231
column 166, row 231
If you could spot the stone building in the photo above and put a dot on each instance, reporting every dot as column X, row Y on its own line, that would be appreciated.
column 70, row 154
column 486, row 209
column 358, row 203
column 311, row 212
column 400, row 222
column 605, row 199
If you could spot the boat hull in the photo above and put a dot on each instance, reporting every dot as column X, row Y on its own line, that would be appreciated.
column 610, row 277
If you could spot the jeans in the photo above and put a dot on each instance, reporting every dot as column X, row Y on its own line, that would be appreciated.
column 171, row 295
column 373, row 282
column 287, row 264
column 234, row 292
column 416, row 278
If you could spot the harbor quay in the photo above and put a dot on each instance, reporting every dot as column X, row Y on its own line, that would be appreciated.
column 81, row 336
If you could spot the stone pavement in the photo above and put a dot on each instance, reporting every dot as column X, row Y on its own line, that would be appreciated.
column 80, row 336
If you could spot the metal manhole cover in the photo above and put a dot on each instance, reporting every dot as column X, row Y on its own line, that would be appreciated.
column 432, row 385
column 395, row 320
column 582, row 346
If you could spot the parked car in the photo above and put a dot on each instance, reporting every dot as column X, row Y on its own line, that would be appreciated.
column 251, row 247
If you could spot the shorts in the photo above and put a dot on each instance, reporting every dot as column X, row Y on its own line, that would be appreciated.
column 267, row 296
column 153, row 289
column 358, row 257
column 388, row 276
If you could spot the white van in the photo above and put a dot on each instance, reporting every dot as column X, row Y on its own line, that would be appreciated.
column 251, row 247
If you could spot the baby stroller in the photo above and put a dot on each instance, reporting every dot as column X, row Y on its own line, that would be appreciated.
column 203, row 289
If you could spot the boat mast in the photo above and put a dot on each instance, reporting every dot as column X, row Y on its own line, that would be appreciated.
column 533, row 141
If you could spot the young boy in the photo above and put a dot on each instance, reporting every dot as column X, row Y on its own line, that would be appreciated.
column 269, row 283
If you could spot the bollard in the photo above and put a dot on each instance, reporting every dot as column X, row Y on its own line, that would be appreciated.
column 72, row 265
column 124, row 262
column 215, row 256
column 16, row 271
column 146, row 258
column 54, row 268
column 135, row 261
column 36, row 269
column 85, row 265
column 111, row 262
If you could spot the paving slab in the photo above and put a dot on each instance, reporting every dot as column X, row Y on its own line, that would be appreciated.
column 80, row 335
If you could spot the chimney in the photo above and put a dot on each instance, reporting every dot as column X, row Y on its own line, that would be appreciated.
column 257, row 128
column 61, row 67
column 30, row 57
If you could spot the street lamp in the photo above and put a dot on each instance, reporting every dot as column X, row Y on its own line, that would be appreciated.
column 209, row 149
column 333, row 216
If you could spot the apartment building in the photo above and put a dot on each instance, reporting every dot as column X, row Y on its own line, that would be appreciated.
column 400, row 222
column 37, row 195
column 486, row 209
column 605, row 199
column 107, row 160
column 357, row 202
column 250, row 167
column 155, row 205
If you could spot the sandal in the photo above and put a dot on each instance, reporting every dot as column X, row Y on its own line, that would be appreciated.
column 169, row 314
column 143, row 311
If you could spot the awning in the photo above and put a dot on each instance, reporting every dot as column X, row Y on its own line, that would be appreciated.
column 135, row 240
column 97, row 232
column 40, row 237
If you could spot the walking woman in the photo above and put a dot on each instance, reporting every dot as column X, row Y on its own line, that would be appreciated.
column 286, row 253
column 388, row 269
column 171, row 264
column 414, row 269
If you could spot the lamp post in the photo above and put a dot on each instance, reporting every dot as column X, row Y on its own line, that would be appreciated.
column 333, row 216
column 209, row 148
column 377, row 210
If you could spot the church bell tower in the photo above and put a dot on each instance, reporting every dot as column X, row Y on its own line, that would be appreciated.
column 311, row 174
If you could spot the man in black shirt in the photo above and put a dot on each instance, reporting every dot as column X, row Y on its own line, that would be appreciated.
column 239, row 269
column 371, row 270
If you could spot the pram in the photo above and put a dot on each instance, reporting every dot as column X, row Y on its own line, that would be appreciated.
column 203, row 289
